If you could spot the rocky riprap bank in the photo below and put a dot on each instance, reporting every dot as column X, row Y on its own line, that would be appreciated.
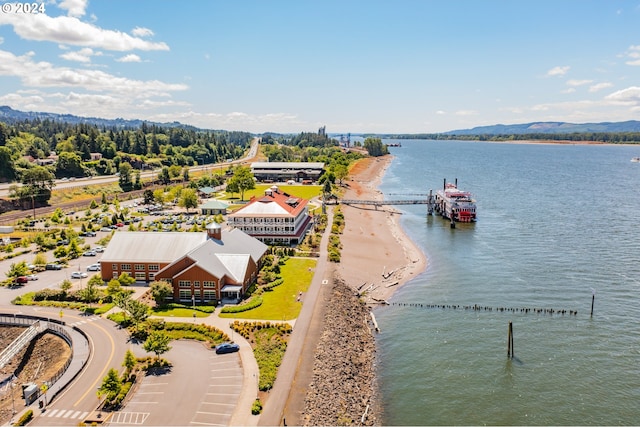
column 343, row 385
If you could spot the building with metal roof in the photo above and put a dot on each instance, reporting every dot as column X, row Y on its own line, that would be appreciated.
column 285, row 171
column 202, row 267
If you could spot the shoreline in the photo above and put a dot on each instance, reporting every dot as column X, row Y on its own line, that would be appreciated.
column 378, row 257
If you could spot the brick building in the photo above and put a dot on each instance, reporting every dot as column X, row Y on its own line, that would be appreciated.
column 201, row 267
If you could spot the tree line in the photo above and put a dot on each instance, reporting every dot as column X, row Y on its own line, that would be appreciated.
column 89, row 150
column 604, row 137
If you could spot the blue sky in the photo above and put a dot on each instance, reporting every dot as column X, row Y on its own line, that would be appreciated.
column 355, row 66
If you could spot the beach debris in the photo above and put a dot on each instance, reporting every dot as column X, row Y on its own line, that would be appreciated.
column 392, row 284
column 375, row 324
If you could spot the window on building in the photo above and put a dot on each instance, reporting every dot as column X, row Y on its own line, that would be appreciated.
column 153, row 267
column 125, row 267
column 196, row 284
column 139, row 267
column 114, row 266
column 209, row 295
column 141, row 275
column 152, row 276
column 184, row 284
column 208, row 284
column 185, row 294
column 115, row 274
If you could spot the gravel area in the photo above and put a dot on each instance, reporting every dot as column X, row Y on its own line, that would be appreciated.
column 343, row 387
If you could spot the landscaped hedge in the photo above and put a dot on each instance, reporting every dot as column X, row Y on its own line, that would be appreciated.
column 253, row 303
column 270, row 286
column 25, row 418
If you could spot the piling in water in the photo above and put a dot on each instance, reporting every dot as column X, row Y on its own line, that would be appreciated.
column 510, row 349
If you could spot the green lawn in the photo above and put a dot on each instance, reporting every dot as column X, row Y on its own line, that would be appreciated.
column 180, row 310
column 303, row 191
column 281, row 303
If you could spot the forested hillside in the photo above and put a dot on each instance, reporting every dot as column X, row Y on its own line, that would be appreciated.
column 88, row 150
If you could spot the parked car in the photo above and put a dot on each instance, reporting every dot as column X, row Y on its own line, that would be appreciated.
column 94, row 267
column 21, row 279
column 79, row 275
column 89, row 253
column 62, row 242
column 227, row 347
column 105, row 229
column 98, row 249
column 32, row 277
column 53, row 266
column 88, row 234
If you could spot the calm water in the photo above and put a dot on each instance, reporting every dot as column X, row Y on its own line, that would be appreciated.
column 556, row 222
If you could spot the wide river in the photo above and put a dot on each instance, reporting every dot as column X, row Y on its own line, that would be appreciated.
column 557, row 224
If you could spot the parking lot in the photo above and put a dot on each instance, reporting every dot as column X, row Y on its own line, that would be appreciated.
column 202, row 388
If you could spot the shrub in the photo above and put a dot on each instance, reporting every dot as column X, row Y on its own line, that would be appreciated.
column 25, row 418
column 253, row 303
column 256, row 408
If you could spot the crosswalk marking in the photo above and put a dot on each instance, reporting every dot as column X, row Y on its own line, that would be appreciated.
column 129, row 418
column 82, row 322
column 66, row 413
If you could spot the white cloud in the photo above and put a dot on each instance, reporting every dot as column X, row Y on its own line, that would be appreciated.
column 628, row 96
column 44, row 74
column 558, row 71
column 466, row 113
column 70, row 30
column 1, row 40
column 142, row 32
column 83, row 55
column 129, row 58
column 74, row 8
column 237, row 120
column 633, row 53
column 570, row 90
column 578, row 82
column 599, row 86
column 441, row 112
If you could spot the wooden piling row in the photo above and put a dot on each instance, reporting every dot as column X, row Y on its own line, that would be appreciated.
column 477, row 307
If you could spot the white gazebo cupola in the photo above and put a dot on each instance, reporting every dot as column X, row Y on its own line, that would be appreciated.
column 214, row 231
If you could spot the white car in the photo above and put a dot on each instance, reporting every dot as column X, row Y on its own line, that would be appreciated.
column 78, row 275
column 32, row 277
column 94, row 267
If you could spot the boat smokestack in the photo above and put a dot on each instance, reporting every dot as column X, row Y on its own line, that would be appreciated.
column 444, row 184
column 456, row 182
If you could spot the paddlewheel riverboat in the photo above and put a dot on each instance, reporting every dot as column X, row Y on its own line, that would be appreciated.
column 454, row 204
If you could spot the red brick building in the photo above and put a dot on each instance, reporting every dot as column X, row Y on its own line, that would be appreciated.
column 202, row 267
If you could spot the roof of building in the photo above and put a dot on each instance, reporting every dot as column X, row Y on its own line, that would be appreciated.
column 214, row 204
column 206, row 256
column 273, row 204
column 287, row 165
column 145, row 246
column 207, row 190
column 141, row 246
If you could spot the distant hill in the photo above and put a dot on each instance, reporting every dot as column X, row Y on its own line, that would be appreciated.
column 9, row 115
column 549, row 127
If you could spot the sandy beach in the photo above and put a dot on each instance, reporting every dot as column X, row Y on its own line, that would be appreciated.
column 377, row 256
column 336, row 385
